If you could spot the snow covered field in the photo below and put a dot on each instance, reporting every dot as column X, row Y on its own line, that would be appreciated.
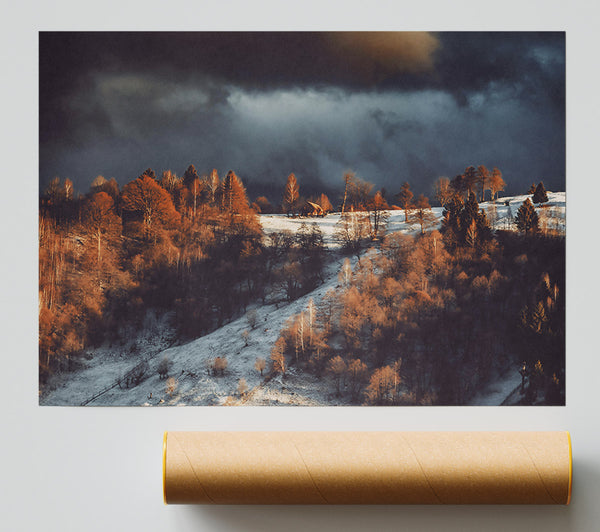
column 280, row 222
column 193, row 384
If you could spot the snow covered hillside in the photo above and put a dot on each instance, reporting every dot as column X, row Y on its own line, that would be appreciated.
column 95, row 383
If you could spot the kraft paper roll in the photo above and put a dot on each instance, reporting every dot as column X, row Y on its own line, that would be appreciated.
column 367, row 467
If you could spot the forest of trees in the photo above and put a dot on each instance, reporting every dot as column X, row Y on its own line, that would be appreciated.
column 431, row 318
column 192, row 246
column 422, row 319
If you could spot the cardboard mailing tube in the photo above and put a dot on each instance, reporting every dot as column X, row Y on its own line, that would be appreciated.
column 367, row 467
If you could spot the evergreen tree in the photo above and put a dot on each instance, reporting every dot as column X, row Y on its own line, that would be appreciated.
column 484, row 231
column 531, row 189
column 451, row 214
column 148, row 172
column 527, row 219
column 291, row 194
column 458, row 184
column 469, row 212
column 189, row 176
column 234, row 199
column 470, row 179
column 539, row 195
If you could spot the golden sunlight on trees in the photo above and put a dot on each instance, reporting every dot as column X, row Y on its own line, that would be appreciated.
column 379, row 214
column 404, row 198
column 291, row 195
column 423, row 213
column 348, row 177
column 443, row 191
column 383, row 386
column 213, row 182
column 483, row 181
column 100, row 219
column 242, row 387
column 352, row 231
column 259, row 365
column 278, row 356
column 233, row 195
column 337, row 368
column 357, row 374
column 146, row 197
column 325, row 204
column 497, row 184
column 171, row 386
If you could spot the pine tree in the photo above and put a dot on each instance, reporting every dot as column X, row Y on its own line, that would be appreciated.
column 468, row 214
column 470, row 179
column 190, row 175
column 451, row 214
column 531, row 189
column 291, row 193
column 526, row 219
column 539, row 195
column 471, row 234
column 148, row 172
column 458, row 185
column 234, row 199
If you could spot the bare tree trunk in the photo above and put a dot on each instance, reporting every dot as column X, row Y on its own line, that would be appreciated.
column 345, row 195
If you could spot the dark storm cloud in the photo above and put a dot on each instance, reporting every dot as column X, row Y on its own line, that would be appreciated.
column 393, row 106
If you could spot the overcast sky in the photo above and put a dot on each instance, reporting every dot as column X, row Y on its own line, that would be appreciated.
column 393, row 107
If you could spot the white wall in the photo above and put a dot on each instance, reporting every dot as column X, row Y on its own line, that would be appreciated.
column 88, row 469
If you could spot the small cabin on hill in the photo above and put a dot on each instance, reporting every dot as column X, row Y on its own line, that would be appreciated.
column 312, row 209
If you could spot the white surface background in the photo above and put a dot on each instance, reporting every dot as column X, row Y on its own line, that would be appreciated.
column 88, row 469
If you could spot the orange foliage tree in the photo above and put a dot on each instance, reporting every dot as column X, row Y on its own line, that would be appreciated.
column 146, row 197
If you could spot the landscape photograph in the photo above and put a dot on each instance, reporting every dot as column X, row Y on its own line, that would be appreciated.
column 302, row 218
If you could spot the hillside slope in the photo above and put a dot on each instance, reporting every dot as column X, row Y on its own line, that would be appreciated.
column 95, row 383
